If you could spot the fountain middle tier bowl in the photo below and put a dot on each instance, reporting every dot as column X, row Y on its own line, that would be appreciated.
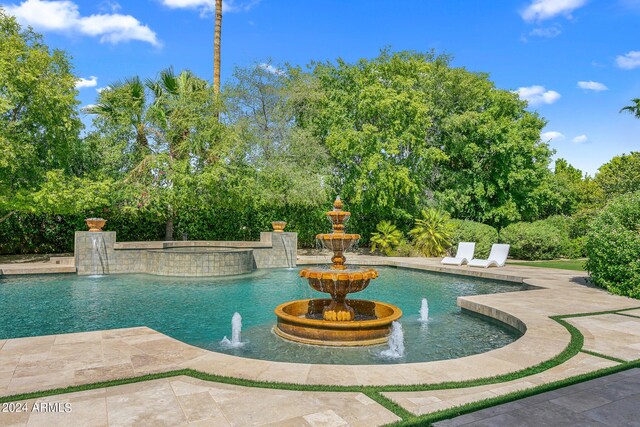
column 338, row 241
column 301, row 321
column 338, row 217
column 338, row 282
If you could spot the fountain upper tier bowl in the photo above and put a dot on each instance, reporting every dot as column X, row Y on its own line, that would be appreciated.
column 338, row 242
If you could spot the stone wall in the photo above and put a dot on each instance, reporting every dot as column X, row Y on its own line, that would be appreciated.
column 99, row 253
column 282, row 253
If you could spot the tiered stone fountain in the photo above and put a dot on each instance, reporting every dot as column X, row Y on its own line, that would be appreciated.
column 337, row 321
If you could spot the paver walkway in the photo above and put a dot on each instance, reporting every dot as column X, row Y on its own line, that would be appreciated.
column 183, row 400
column 39, row 363
column 613, row 400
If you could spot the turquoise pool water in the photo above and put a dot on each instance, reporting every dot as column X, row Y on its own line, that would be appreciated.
column 198, row 311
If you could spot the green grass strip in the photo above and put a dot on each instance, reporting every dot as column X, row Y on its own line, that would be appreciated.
column 428, row 419
column 629, row 315
column 603, row 356
column 374, row 392
column 389, row 404
column 574, row 264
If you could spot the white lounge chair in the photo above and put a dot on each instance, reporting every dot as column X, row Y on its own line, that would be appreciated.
column 497, row 257
column 464, row 254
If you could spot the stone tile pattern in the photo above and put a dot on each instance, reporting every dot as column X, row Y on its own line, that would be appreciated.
column 188, row 401
column 608, row 401
column 223, row 262
column 98, row 253
column 611, row 334
column 282, row 253
column 55, row 361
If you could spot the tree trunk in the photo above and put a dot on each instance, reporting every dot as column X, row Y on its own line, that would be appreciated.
column 168, row 230
column 216, row 47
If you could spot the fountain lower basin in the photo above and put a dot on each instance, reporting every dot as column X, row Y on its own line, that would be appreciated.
column 301, row 321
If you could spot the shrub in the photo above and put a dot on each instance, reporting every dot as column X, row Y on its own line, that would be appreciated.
column 387, row 238
column 470, row 231
column 613, row 247
column 406, row 249
column 534, row 240
column 432, row 233
column 562, row 222
column 573, row 231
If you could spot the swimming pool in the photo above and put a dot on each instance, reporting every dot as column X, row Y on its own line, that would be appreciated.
column 198, row 311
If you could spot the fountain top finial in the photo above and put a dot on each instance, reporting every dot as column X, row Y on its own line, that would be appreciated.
column 337, row 204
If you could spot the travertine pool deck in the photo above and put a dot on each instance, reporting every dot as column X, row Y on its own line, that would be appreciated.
column 41, row 363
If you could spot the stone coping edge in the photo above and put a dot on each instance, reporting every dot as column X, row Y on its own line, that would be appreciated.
column 189, row 244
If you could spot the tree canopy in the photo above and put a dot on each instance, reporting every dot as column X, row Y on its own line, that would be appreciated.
column 407, row 130
column 395, row 135
column 39, row 124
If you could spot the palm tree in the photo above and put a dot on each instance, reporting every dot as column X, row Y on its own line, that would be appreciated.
column 216, row 47
column 125, row 102
column 170, row 92
column 167, row 89
column 633, row 109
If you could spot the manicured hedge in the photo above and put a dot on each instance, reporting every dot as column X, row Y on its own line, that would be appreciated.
column 37, row 234
column 534, row 240
column 470, row 231
column 613, row 247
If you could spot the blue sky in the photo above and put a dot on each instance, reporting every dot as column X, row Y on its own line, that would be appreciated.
column 577, row 61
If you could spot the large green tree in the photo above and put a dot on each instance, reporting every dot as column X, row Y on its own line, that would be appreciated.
column 39, row 124
column 561, row 192
column 44, row 166
column 407, row 130
column 280, row 163
column 621, row 175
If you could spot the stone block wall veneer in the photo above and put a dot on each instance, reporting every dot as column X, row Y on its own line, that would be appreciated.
column 100, row 253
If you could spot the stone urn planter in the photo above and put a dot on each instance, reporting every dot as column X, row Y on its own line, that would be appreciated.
column 95, row 224
column 278, row 226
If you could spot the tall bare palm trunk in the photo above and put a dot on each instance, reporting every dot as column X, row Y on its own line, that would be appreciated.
column 216, row 47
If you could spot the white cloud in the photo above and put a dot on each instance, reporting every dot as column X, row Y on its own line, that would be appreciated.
column 87, row 107
column 90, row 82
column 101, row 89
column 271, row 69
column 548, row 32
column 629, row 61
column 206, row 6
column 580, row 139
column 110, row 6
column 551, row 136
column 64, row 16
column 540, row 10
column 591, row 85
column 537, row 95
